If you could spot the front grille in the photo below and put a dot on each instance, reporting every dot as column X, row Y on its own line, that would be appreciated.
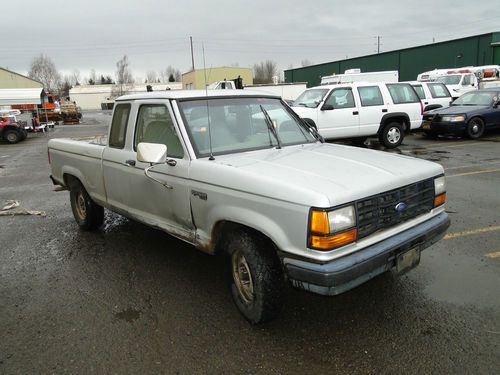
column 379, row 212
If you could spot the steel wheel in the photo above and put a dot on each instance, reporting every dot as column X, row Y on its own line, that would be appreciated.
column 242, row 277
column 81, row 208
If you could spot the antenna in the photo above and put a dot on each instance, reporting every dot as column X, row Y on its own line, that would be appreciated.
column 208, row 110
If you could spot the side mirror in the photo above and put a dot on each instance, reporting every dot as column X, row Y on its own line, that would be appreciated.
column 153, row 153
column 327, row 107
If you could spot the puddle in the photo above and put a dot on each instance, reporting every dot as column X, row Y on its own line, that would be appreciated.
column 129, row 315
column 114, row 222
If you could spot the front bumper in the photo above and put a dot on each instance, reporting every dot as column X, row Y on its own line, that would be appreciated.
column 454, row 128
column 343, row 274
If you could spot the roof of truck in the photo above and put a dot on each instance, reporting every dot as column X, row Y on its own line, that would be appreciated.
column 192, row 94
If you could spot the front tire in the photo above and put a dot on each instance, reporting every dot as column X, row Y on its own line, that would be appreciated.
column 392, row 135
column 12, row 136
column 257, row 283
column 475, row 128
column 88, row 214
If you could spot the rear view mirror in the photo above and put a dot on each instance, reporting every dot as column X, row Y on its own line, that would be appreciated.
column 153, row 153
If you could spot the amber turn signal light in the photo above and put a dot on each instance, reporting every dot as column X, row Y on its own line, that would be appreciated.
column 319, row 222
column 333, row 241
column 439, row 200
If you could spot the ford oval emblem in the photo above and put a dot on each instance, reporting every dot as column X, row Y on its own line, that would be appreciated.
column 401, row 206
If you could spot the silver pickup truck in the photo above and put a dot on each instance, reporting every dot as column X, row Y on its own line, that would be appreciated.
column 240, row 174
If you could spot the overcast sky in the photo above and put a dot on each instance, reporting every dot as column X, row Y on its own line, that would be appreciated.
column 154, row 34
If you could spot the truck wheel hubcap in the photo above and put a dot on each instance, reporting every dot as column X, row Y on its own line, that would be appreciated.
column 81, row 208
column 393, row 135
column 242, row 277
column 11, row 137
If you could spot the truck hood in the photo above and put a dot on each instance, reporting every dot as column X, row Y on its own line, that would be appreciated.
column 322, row 175
column 456, row 110
column 305, row 112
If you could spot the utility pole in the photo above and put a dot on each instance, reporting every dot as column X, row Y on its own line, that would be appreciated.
column 192, row 55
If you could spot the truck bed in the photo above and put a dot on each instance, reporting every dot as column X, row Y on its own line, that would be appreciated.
column 81, row 158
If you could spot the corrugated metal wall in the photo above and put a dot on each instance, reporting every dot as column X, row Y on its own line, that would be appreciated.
column 475, row 50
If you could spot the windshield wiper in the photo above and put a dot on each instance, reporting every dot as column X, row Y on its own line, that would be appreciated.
column 270, row 126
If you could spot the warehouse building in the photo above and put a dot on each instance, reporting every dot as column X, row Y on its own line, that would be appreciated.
column 197, row 79
column 13, row 80
column 471, row 51
column 93, row 97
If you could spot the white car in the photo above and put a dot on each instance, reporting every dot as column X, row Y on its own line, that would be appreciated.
column 361, row 110
column 432, row 94
column 460, row 83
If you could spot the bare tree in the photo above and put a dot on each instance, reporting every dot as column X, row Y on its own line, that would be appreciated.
column 265, row 71
column 43, row 69
column 123, row 77
column 93, row 77
column 151, row 76
column 165, row 75
column 75, row 77
column 305, row 62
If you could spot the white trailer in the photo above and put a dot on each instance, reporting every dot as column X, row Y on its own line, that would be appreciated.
column 355, row 75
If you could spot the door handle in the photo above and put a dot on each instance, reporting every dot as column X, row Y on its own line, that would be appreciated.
column 355, row 113
column 426, row 102
column 171, row 162
column 384, row 110
column 129, row 163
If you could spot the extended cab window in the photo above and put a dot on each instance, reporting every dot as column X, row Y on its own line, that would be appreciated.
column 119, row 126
column 341, row 98
column 438, row 90
column 402, row 93
column 154, row 125
column 370, row 95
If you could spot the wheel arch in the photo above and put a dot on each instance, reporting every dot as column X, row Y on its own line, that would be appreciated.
column 224, row 228
column 400, row 117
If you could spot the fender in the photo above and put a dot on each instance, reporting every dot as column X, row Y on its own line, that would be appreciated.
column 245, row 217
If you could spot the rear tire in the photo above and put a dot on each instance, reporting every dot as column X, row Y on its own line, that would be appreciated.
column 392, row 135
column 88, row 214
column 12, row 136
column 475, row 128
column 257, row 283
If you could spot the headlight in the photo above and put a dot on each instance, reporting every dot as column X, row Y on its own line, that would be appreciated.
column 459, row 118
column 439, row 191
column 341, row 219
column 329, row 229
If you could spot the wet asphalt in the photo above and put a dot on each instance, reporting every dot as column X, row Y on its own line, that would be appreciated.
column 129, row 299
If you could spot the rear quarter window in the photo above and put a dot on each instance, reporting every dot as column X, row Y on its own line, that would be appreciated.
column 420, row 91
column 438, row 90
column 402, row 93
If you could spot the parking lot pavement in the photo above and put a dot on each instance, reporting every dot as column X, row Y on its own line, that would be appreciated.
column 130, row 299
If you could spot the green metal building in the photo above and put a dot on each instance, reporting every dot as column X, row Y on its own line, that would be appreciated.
column 471, row 51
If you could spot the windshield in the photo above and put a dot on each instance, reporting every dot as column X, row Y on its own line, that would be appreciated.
column 310, row 98
column 240, row 124
column 477, row 98
column 450, row 80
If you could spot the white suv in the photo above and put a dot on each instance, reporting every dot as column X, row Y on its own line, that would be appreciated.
column 361, row 110
column 432, row 94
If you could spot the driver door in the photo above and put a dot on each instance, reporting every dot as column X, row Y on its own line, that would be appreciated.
column 339, row 115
